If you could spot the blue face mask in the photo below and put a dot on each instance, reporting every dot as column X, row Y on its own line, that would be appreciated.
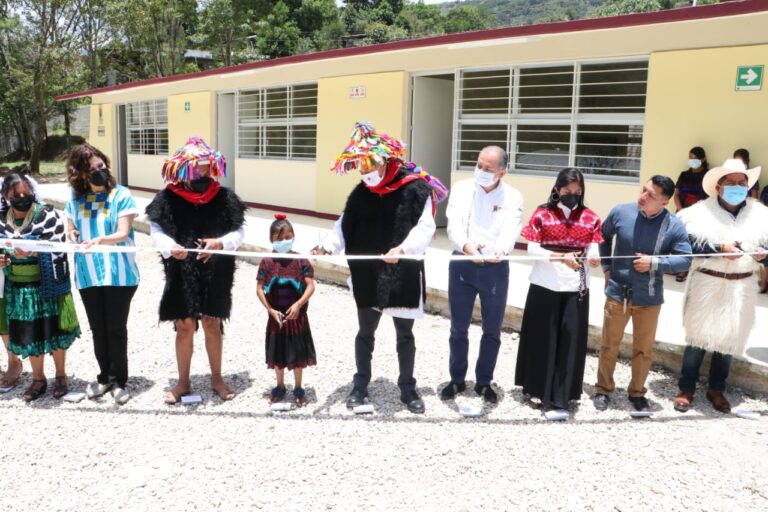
column 282, row 245
column 734, row 194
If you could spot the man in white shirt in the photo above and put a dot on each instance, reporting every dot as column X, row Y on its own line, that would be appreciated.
column 390, row 213
column 484, row 220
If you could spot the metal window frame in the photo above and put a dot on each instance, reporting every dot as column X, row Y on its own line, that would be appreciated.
column 262, row 122
column 143, row 126
column 571, row 119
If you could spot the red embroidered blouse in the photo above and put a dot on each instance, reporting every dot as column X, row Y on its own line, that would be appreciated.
column 553, row 231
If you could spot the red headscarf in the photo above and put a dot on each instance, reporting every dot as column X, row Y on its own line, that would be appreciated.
column 195, row 197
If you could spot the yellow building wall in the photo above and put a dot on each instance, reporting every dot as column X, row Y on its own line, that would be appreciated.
column 199, row 120
column 284, row 183
column 102, row 133
column 384, row 105
column 692, row 101
column 144, row 171
column 601, row 195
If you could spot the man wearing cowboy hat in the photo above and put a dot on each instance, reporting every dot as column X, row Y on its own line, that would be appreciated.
column 720, row 298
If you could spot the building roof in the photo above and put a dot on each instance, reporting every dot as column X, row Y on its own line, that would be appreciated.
column 732, row 8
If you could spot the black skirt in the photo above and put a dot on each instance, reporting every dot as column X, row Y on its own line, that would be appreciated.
column 553, row 346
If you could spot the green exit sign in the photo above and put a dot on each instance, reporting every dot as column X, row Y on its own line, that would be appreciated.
column 749, row 78
column 187, row 106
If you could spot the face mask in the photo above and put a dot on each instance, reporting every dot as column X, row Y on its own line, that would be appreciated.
column 372, row 179
column 22, row 204
column 99, row 178
column 484, row 179
column 694, row 163
column 282, row 245
column 570, row 201
column 734, row 194
column 200, row 185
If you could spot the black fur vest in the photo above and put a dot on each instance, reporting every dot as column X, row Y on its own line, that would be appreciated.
column 193, row 289
column 374, row 224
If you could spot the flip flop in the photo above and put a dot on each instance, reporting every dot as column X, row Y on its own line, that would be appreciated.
column 172, row 398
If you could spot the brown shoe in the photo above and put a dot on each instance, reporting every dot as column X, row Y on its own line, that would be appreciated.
column 719, row 402
column 36, row 390
column 60, row 387
column 683, row 401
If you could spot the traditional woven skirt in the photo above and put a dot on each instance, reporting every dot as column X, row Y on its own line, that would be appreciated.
column 290, row 345
column 37, row 325
column 553, row 346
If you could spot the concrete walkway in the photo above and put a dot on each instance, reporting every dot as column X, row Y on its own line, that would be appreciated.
column 749, row 370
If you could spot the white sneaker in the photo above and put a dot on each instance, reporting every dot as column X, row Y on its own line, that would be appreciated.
column 121, row 396
column 96, row 390
column 556, row 415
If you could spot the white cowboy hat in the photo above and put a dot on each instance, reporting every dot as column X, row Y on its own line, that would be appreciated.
column 709, row 183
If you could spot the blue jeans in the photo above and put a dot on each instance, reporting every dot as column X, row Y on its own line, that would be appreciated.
column 718, row 369
column 467, row 280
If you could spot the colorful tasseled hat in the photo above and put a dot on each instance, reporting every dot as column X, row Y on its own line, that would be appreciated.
column 367, row 149
column 184, row 165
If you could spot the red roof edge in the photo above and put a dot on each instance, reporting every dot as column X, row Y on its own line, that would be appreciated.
column 732, row 8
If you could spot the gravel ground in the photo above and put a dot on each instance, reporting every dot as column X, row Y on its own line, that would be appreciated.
column 239, row 456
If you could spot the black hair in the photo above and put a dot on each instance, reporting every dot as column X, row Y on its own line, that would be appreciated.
column 699, row 153
column 278, row 226
column 10, row 182
column 564, row 178
column 665, row 183
column 743, row 154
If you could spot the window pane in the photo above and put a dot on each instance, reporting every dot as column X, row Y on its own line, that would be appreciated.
column 277, row 103
column 609, row 150
column 161, row 112
column 162, row 141
column 150, row 145
column 485, row 92
column 473, row 138
column 542, row 148
column 276, row 141
column 613, row 88
column 249, row 142
column 303, row 141
column 134, row 141
column 133, row 114
column 304, row 101
column 546, row 90
column 249, row 106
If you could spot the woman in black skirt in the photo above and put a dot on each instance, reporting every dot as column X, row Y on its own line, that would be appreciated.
column 553, row 338
column 284, row 287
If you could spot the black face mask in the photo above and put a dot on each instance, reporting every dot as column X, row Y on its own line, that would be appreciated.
column 570, row 200
column 99, row 178
column 22, row 204
column 200, row 185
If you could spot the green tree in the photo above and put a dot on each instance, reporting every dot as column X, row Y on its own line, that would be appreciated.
column 420, row 20
column 468, row 17
column 222, row 28
column 277, row 34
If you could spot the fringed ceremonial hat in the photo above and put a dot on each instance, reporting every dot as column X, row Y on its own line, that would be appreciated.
column 184, row 165
column 367, row 149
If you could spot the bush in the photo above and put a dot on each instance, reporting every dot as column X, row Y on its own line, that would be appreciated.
column 56, row 148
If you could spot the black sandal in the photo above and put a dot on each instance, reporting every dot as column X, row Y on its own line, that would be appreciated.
column 299, row 396
column 60, row 387
column 35, row 390
column 277, row 394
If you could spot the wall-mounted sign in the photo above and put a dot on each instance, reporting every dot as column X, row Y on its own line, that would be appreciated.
column 187, row 106
column 749, row 78
column 357, row 92
column 101, row 131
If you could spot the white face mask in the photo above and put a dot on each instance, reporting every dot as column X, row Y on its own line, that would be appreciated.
column 483, row 178
column 372, row 179
column 694, row 163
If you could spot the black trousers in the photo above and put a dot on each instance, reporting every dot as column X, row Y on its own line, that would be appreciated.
column 368, row 321
column 107, row 308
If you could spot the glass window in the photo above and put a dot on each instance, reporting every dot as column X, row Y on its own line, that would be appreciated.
column 609, row 150
column 147, row 127
column 474, row 137
column 546, row 90
column 485, row 93
column 542, row 147
column 613, row 88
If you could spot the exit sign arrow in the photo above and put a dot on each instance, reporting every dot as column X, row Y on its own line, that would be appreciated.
column 749, row 78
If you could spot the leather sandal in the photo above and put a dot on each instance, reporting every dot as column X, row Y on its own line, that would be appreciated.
column 60, row 387
column 35, row 390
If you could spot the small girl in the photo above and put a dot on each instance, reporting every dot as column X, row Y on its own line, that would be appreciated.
column 284, row 286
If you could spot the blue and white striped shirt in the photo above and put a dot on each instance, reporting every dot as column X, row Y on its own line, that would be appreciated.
column 96, row 215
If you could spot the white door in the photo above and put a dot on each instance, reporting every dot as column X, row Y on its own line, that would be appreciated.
column 225, row 139
column 432, row 129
